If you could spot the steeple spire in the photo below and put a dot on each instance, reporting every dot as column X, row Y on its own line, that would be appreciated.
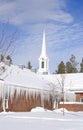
column 43, row 53
column 43, row 59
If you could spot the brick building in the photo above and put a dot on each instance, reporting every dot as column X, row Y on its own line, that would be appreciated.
column 77, row 104
column 72, row 90
column 19, row 98
column 22, row 90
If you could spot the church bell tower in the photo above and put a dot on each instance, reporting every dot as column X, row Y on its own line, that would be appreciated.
column 43, row 59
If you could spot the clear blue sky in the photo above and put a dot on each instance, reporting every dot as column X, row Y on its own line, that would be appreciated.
column 62, row 21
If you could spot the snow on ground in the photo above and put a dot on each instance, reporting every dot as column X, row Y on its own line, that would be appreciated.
column 41, row 119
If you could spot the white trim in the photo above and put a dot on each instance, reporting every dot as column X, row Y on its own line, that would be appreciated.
column 71, row 103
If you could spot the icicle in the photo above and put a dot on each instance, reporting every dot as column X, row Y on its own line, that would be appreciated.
column 18, row 91
column 37, row 93
column 11, row 91
column 27, row 94
column 1, row 91
column 42, row 98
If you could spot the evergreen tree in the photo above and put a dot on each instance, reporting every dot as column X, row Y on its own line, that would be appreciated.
column 69, row 67
column 9, row 58
column 29, row 65
column 81, row 66
column 74, row 64
column 61, row 68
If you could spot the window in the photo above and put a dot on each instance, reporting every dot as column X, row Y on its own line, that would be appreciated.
column 42, row 65
column 81, row 99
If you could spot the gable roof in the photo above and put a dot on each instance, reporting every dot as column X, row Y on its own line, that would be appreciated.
column 72, row 81
column 23, row 78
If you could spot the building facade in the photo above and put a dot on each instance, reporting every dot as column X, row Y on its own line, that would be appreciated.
column 22, row 99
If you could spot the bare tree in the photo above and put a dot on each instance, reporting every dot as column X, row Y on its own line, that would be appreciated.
column 61, row 84
column 6, row 39
column 56, row 90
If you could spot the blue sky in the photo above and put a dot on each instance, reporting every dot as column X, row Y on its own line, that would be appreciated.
column 62, row 21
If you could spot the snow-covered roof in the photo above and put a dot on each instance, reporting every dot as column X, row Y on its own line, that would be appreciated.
column 14, row 75
column 72, row 81
column 23, row 78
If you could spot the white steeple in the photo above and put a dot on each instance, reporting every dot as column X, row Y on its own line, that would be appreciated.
column 43, row 53
column 43, row 59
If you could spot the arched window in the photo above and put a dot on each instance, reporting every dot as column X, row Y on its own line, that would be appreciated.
column 42, row 64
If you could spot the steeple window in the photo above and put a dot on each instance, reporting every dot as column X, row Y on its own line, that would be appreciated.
column 42, row 65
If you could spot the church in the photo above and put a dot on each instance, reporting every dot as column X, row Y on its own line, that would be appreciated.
column 73, row 83
column 21, row 89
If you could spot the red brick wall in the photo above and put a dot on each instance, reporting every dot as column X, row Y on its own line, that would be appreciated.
column 78, row 96
column 75, row 106
column 23, row 103
column 72, row 107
